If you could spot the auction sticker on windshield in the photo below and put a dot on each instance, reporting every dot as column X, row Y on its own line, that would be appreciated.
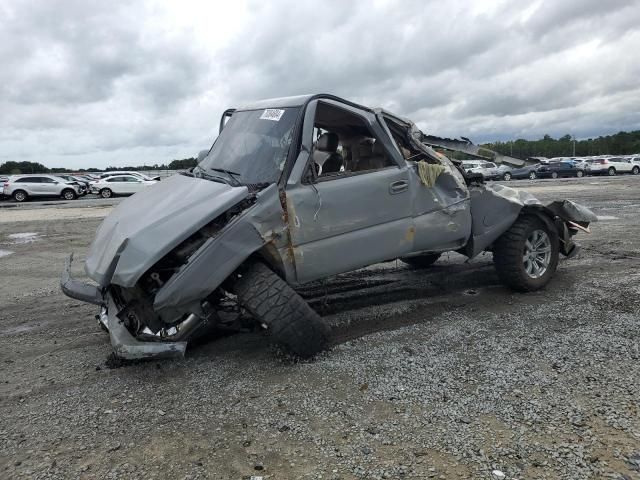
column 272, row 114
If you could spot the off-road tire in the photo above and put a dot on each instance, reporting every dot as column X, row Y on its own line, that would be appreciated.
column 20, row 196
column 509, row 249
column 106, row 193
column 68, row 194
column 422, row 261
column 290, row 322
column 611, row 171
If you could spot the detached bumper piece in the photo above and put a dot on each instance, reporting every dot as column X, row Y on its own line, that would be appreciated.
column 125, row 345
column 79, row 290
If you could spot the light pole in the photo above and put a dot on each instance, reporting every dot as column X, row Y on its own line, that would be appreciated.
column 574, row 145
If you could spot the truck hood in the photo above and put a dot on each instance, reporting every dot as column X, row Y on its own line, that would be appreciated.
column 146, row 226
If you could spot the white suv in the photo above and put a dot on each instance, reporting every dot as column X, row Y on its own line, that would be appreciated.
column 22, row 187
column 611, row 166
column 125, row 172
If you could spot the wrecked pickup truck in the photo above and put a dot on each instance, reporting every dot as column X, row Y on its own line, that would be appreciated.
column 294, row 190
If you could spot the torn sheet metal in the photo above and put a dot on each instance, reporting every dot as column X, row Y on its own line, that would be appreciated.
column 572, row 211
column 128, row 347
column 510, row 194
column 197, row 279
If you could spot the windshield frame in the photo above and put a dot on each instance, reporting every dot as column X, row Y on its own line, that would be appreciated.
column 294, row 146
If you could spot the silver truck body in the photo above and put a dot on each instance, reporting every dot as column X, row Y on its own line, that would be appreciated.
column 160, row 260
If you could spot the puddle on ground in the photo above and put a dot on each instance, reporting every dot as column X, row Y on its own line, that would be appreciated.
column 26, row 237
column 5, row 253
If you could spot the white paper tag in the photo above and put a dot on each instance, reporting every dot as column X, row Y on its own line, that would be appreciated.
column 272, row 114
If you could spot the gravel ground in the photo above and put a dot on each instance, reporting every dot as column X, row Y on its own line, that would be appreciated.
column 434, row 374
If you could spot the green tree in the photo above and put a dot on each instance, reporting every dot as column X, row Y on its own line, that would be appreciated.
column 15, row 168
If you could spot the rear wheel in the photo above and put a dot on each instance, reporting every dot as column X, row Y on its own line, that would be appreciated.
column 506, row 176
column 532, row 175
column 69, row 194
column 554, row 174
column 106, row 193
column 290, row 321
column 526, row 255
column 579, row 174
column 422, row 261
column 20, row 195
column 611, row 172
column 635, row 170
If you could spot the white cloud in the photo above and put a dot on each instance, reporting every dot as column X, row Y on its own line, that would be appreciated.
column 116, row 83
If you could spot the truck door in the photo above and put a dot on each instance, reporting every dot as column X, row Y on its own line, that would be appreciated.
column 350, row 205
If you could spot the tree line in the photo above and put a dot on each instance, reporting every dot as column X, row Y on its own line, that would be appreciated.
column 15, row 168
column 621, row 143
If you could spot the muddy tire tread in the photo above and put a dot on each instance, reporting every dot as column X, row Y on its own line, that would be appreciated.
column 291, row 322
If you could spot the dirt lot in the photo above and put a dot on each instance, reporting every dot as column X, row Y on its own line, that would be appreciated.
column 434, row 374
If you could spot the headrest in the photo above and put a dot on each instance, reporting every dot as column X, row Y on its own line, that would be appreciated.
column 365, row 149
column 328, row 142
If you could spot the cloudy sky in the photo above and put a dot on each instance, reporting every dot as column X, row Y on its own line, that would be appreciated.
column 96, row 83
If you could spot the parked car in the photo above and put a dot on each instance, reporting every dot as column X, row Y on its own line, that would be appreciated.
column 135, row 174
column 488, row 170
column 120, row 185
column 23, row 187
column 635, row 164
column 559, row 169
column 224, row 246
column 610, row 166
column 86, row 184
column 529, row 171
column 3, row 179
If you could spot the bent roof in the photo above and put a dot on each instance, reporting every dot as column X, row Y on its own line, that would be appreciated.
column 297, row 101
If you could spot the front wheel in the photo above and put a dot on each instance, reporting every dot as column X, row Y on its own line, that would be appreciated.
column 579, row 174
column 532, row 175
column 290, row 321
column 554, row 175
column 506, row 176
column 611, row 172
column 20, row 196
column 635, row 170
column 106, row 193
column 69, row 195
column 526, row 255
column 422, row 261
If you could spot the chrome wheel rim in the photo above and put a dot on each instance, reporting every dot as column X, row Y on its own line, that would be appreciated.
column 20, row 196
column 537, row 254
column 106, row 194
column 68, row 196
column 532, row 176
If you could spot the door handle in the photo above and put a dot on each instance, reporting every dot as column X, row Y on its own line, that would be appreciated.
column 398, row 187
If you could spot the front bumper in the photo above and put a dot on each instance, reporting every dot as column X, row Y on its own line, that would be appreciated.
column 124, row 344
